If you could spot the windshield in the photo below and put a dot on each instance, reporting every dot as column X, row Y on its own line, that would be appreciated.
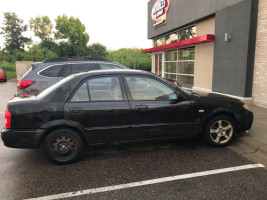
column 54, row 87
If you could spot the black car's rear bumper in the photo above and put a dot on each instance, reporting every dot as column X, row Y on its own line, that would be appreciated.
column 22, row 138
column 244, row 120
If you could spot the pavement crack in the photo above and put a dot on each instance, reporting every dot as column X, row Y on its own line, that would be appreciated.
column 257, row 149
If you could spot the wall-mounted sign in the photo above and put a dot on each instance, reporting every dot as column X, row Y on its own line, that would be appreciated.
column 159, row 12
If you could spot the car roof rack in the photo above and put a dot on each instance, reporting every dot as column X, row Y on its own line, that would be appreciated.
column 61, row 59
column 96, row 59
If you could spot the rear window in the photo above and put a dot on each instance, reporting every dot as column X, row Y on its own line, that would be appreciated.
column 1, row 70
column 52, row 71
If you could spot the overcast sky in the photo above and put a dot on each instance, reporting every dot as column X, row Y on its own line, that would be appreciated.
column 113, row 23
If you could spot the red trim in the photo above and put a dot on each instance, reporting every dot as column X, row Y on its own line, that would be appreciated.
column 157, row 63
column 183, row 43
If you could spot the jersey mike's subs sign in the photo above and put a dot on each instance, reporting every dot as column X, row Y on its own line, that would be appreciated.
column 159, row 12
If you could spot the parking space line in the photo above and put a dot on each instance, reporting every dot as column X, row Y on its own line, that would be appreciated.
column 147, row 182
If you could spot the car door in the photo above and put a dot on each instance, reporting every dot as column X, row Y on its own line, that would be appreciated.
column 156, row 111
column 101, row 108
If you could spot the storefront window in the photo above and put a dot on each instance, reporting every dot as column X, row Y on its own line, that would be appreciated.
column 187, row 33
column 159, row 42
column 171, row 38
column 179, row 65
column 187, row 54
column 176, row 36
column 171, row 55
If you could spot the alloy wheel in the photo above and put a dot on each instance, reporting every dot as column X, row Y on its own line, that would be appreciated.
column 221, row 131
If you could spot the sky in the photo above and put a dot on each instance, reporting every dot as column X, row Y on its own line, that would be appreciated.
column 113, row 23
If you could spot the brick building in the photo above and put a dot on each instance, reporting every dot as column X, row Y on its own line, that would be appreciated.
column 260, row 66
column 214, row 46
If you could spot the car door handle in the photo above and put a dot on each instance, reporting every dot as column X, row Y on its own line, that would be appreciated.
column 76, row 110
column 141, row 107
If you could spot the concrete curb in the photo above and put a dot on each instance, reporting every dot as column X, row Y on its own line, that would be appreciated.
column 253, row 145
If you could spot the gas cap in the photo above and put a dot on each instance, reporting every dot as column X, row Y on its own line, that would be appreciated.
column 43, row 85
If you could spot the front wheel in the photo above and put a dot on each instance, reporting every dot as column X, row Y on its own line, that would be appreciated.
column 63, row 146
column 220, row 131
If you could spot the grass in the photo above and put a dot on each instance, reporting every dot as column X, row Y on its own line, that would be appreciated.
column 11, row 75
column 9, row 68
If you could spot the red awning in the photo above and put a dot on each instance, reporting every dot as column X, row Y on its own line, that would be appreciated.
column 183, row 43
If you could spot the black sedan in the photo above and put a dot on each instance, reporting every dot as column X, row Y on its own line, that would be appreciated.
column 101, row 107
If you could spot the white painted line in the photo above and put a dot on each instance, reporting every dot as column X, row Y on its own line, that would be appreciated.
column 147, row 182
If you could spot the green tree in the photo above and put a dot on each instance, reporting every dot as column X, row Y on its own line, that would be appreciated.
column 51, row 46
column 126, row 57
column 97, row 50
column 74, row 31
column 36, row 53
column 12, row 32
column 42, row 27
column 65, row 49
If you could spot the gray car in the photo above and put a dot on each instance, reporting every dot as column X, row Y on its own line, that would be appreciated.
column 45, row 74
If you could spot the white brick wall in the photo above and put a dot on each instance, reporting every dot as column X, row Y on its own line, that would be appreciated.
column 260, row 69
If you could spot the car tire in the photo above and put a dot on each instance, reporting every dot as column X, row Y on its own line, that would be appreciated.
column 63, row 146
column 220, row 131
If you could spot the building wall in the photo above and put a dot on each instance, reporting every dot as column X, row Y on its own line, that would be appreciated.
column 22, row 67
column 183, row 12
column 234, row 60
column 260, row 67
column 204, row 57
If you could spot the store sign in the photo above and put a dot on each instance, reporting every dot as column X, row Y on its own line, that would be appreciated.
column 159, row 12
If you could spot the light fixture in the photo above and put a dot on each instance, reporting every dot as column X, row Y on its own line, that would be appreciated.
column 227, row 37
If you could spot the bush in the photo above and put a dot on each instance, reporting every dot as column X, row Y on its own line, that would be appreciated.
column 8, row 67
column 126, row 57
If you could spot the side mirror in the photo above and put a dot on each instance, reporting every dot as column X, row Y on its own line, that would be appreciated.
column 180, row 97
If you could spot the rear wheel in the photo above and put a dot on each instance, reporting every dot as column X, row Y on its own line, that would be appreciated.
column 220, row 131
column 63, row 146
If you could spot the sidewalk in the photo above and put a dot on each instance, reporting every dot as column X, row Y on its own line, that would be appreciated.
column 253, row 145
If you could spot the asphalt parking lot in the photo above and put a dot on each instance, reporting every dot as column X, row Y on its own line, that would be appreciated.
column 187, row 169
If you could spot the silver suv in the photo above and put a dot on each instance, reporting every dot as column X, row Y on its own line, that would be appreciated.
column 45, row 74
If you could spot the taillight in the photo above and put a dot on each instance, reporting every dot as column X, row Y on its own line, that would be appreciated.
column 2, row 74
column 8, row 119
column 24, row 84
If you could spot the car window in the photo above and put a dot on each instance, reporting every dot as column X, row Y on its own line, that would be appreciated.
column 81, row 94
column 1, row 70
column 83, row 67
column 67, row 71
column 52, row 71
column 105, row 89
column 104, row 66
column 144, row 88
